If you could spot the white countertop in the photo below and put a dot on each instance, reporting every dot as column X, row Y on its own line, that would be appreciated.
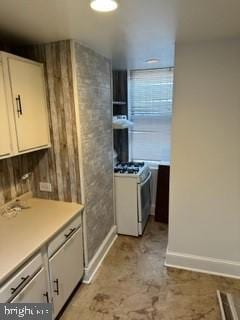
column 25, row 234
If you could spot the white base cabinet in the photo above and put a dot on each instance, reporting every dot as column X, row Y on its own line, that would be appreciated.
column 66, row 270
column 20, row 280
column 52, row 274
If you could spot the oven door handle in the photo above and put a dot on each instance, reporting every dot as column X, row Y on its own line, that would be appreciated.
column 146, row 180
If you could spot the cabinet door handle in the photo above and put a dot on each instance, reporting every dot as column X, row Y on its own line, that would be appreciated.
column 24, row 280
column 47, row 296
column 70, row 233
column 57, row 287
column 19, row 105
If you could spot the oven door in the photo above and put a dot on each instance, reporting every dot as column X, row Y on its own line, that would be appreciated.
column 144, row 202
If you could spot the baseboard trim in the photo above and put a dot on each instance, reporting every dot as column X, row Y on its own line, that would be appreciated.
column 152, row 213
column 225, row 268
column 95, row 263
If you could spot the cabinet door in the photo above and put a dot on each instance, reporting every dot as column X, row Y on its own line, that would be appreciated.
column 29, row 100
column 5, row 142
column 35, row 291
column 66, row 269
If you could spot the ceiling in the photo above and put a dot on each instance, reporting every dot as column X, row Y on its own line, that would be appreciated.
column 137, row 31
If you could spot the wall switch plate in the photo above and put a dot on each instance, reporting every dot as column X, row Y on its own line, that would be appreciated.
column 45, row 186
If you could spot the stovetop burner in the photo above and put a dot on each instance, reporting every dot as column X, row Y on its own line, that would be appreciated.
column 130, row 164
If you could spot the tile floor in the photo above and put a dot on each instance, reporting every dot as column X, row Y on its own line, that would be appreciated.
column 133, row 284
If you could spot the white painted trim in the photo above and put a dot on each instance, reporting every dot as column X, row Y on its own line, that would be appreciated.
column 201, row 264
column 221, row 305
column 99, row 256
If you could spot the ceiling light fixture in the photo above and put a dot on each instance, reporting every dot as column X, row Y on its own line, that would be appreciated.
column 151, row 61
column 104, row 5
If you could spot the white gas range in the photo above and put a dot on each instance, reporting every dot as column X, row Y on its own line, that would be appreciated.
column 132, row 197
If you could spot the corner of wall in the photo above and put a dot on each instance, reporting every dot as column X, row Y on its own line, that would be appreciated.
column 99, row 256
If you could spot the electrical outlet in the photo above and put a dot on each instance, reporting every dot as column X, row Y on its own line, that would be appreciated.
column 45, row 186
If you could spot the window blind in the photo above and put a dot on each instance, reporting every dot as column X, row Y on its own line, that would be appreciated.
column 151, row 93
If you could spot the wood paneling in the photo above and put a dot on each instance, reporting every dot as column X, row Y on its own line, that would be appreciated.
column 11, row 171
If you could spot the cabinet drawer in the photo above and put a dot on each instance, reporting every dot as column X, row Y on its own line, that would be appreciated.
column 35, row 291
column 20, row 279
column 64, row 235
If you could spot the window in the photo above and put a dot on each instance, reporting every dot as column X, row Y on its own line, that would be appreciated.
column 151, row 93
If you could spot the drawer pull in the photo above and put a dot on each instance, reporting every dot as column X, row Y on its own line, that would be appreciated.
column 70, row 233
column 19, row 105
column 47, row 296
column 24, row 280
column 57, row 287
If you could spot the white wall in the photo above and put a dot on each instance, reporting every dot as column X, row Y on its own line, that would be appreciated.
column 205, row 168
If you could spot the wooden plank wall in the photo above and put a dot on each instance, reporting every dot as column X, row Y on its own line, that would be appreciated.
column 11, row 171
column 60, row 164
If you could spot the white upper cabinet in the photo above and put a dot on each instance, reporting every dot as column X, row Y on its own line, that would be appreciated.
column 29, row 99
column 5, row 141
column 22, row 82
